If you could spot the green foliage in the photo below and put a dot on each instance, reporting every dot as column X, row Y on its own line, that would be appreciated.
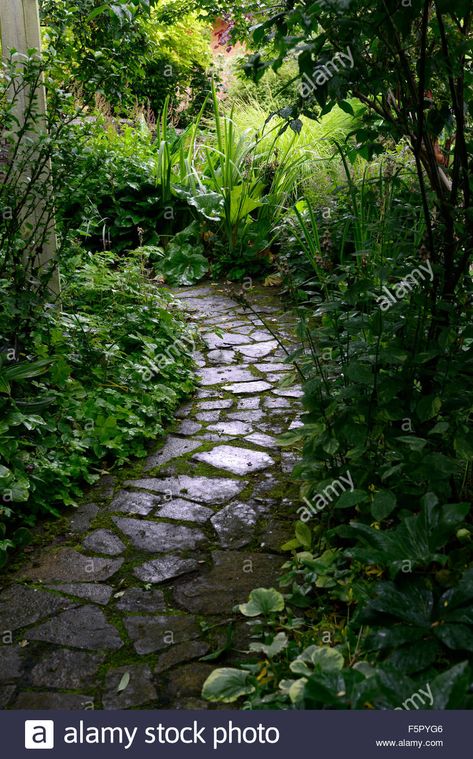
column 94, row 383
column 183, row 262
column 97, row 43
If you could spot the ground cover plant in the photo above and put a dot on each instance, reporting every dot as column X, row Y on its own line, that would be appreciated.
column 345, row 179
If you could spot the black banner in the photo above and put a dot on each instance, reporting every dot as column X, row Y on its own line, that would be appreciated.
column 221, row 733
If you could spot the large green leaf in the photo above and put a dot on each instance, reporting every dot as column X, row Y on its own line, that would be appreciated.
column 262, row 601
column 449, row 689
column 227, row 685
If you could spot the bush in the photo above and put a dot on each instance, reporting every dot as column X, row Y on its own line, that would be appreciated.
column 94, row 382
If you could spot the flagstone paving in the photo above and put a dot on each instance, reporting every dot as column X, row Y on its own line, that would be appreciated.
column 140, row 587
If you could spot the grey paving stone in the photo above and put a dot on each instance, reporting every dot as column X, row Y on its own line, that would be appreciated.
column 6, row 694
column 233, row 576
column 289, row 392
column 219, row 374
column 140, row 600
column 235, row 525
column 258, row 350
column 68, row 565
column 103, row 488
column 186, row 684
column 221, row 356
column 134, row 503
column 83, row 518
column 207, row 489
column 253, row 415
column 242, row 388
column 208, row 416
column 288, row 461
column 21, row 606
column 159, row 537
column 66, row 670
column 65, row 701
column 104, row 541
column 261, row 335
column 245, row 404
column 85, row 628
column 212, row 405
column 179, row 508
column 264, row 441
column 173, row 448
column 275, row 534
column 166, row 568
column 226, row 340
column 273, row 403
column 156, row 633
column 273, row 367
column 235, row 460
column 96, row 592
column 230, row 428
column 183, row 652
column 11, row 662
column 188, row 427
column 138, row 691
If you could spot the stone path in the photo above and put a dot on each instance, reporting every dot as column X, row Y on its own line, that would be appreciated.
column 121, row 609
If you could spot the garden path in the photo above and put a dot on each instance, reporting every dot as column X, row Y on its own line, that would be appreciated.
column 142, row 582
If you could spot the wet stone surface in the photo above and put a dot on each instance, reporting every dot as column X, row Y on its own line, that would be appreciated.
column 144, row 578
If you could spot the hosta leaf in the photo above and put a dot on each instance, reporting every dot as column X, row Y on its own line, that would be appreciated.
column 227, row 685
column 278, row 644
column 262, row 601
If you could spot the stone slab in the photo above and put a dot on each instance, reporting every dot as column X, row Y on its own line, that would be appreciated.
column 160, row 570
column 173, row 448
column 230, row 428
column 156, row 633
column 235, row 525
column 96, row 592
column 11, row 662
column 188, row 511
column 228, row 582
column 242, row 388
column 134, row 503
column 181, row 653
column 104, row 541
column 21, row 606
column 66, row 670
column 235, row 460
column 68, row 565
column 259, row 350
column 139, row 690
column 205, row 489
column 139, row 600
column 159, row 537
column 219, row 374
column 84, row 628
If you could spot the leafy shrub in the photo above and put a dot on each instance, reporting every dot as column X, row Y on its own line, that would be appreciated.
column 95, row 382
column 183, row 262
column 378, row 591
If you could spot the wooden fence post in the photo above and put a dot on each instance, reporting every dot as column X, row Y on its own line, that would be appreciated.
column 20, row 30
